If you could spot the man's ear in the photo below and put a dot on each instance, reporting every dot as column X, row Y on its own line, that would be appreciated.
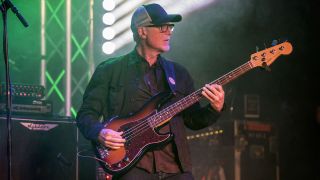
column 142, row 32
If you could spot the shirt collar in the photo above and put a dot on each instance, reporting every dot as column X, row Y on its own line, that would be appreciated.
column 137, row 58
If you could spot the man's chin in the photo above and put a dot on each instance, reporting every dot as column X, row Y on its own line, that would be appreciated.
column 166, row 49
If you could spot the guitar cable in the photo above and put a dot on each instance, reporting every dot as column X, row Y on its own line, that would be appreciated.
column 79, row 154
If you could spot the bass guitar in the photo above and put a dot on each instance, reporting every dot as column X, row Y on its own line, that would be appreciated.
column 139, row 129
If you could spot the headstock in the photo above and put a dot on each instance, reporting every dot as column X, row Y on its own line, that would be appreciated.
column 266, row 57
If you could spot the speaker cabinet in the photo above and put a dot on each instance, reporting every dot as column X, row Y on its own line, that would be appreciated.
column 234, row 150
column 42, row 148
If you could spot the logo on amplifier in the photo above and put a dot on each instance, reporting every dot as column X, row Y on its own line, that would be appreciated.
column 39, row 127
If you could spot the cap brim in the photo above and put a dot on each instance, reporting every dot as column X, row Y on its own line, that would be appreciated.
column 175, row 17
column 168, row 18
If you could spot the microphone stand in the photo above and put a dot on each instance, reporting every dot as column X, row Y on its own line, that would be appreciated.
column 5, row 5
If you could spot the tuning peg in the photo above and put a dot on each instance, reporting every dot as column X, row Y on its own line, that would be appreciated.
column 266, row 67
column 274, row 42
column 285, row 39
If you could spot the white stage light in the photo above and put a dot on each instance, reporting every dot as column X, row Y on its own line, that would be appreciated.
column 108, row 33
column 108, row 47
column 108, row 18
column 109, row 5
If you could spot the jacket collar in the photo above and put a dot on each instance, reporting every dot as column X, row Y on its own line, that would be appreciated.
column 167, row 66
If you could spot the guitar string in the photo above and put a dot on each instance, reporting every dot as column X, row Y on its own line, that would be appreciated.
column 244, row 68
column 142, row 126
column 219, row 80
column 145, row 125
column 226, row 81
column 150, row 120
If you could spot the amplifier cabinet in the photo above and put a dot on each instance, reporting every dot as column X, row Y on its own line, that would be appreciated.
column 42, row 148
column 234, row 150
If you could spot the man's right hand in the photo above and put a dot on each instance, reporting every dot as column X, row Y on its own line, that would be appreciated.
column 111, row 138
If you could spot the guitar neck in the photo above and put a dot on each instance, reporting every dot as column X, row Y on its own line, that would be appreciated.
column 166, row 114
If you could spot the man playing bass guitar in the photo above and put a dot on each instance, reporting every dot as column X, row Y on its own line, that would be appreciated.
column 121, row 86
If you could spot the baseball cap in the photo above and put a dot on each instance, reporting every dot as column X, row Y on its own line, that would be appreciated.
column 152, row 14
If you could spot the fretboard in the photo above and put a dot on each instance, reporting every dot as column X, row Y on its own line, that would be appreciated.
column 167, row 113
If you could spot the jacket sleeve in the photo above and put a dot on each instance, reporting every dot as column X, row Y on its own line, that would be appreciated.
column 94, row 103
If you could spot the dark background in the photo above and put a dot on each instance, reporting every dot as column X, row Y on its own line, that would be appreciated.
column 218, row 38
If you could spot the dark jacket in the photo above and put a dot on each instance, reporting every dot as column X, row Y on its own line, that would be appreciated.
column 111, row 92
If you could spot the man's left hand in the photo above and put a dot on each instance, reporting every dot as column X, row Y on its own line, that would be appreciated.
column 215, row 94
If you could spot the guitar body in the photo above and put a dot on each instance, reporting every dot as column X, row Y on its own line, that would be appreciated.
column 140, row 137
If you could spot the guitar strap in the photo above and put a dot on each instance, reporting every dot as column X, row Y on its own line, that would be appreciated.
column 170, row 73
